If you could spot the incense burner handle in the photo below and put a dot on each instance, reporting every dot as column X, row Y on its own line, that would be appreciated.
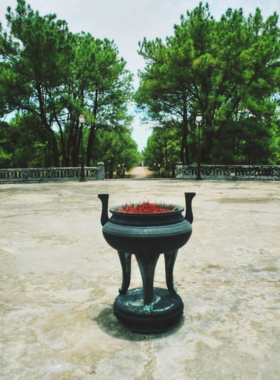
column 189, row 214
column 104, row 215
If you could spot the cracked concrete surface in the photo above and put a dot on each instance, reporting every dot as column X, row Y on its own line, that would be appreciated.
column 59, row 279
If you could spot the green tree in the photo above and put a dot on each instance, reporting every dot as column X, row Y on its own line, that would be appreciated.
column 102, row 84
column 22, row 143
column 212, row 67
column 163, row 148
column 47, row 71
column 116, row 149
column 35, row 56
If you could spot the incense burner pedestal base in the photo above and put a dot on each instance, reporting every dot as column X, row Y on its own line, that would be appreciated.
column 166, row 311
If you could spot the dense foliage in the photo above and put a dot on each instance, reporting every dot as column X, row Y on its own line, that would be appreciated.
column 226, row 70
column 48, row 77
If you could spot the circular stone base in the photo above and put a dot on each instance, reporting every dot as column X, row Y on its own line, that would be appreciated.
column 167, row 310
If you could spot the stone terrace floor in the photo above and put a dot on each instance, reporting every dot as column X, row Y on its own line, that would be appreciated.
column 59, row 279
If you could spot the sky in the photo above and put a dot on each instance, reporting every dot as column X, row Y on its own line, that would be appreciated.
column 128, row 21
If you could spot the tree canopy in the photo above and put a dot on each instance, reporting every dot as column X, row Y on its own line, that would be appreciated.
column 227, row 70
column 50, row 76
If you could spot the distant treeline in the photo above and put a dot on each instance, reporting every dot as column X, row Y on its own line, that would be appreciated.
column 227, row 71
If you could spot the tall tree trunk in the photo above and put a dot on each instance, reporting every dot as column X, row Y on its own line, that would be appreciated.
column 55, row 150
column 77, row 148
column 206, row 148
column 182, row 150
column 187, row 156
column 91, row 139
column 51, row 134
column 75, row 145
column 70, row 143
column 53, row 146
column 62, row 141
column 184, row 143
column 92, row 130
column 184, row 153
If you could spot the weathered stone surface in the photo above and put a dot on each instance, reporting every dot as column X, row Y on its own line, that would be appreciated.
column 59, row 279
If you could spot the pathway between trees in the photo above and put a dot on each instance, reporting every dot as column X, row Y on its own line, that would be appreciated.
column 140, row 172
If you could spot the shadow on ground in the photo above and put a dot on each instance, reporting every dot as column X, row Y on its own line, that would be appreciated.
column 109, row 324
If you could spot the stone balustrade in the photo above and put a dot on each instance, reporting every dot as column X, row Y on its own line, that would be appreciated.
column 25, row 174
column 233, row 172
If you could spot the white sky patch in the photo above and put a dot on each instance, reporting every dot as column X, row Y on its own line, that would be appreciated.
column 128, row 21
